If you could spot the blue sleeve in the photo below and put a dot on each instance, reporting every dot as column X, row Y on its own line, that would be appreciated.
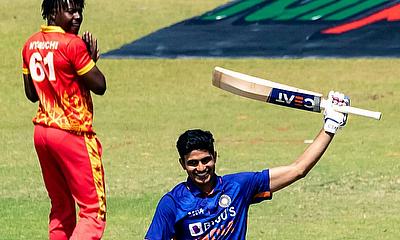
column 162, row 225
column 261, row 187
column 255, row 186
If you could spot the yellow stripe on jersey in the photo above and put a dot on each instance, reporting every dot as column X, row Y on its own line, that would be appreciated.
column 86, row 68
column 97, row 170
column 50, row 29
column 25, row 71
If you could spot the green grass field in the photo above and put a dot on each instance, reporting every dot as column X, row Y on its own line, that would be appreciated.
column 353, row 193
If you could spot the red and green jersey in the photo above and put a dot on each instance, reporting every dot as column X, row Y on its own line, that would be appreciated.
column 55, row 60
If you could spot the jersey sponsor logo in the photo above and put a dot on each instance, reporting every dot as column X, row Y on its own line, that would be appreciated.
column 199, row 228
column 196, row 212
column 224, row 201
column 196, row 229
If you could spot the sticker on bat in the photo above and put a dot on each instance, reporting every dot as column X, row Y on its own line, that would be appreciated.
column 294, row 99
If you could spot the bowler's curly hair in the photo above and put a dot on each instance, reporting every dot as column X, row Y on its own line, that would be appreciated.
column 195, row 139
column 52, row 6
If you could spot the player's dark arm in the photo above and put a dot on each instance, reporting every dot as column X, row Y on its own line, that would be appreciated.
column 95, row 81
column 30, row 91
column 281, row 177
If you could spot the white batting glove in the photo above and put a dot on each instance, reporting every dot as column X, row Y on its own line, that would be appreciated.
column 335, row 120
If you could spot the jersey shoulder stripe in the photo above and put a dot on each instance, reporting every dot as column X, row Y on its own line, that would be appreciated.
column 263, row 195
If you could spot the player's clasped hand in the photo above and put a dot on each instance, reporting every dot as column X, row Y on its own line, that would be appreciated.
column 335, row 120
column 91, row 45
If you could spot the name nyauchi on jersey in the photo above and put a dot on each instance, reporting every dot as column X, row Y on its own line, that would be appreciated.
column 186, row 213
column 55, row 60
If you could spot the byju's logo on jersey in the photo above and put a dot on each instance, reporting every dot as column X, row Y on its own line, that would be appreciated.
column 196, row 229
column 224, row 201
column 219, row 221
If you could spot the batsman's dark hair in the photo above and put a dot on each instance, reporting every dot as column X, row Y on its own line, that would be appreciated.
column 195, row 139
column 52, row 6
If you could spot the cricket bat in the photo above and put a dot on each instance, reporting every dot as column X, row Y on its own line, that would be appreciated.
column 277, row 93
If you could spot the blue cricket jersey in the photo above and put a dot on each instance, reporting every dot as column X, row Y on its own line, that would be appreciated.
column 187, row 213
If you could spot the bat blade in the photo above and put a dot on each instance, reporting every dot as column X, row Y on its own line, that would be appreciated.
column 265, row 90
column 277, row 93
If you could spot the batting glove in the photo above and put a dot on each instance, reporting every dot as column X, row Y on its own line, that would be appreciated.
column 335, row 120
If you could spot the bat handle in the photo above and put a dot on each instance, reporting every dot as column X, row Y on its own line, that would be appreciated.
column 353, row 110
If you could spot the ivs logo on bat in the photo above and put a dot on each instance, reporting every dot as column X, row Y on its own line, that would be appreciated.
column 293, row 99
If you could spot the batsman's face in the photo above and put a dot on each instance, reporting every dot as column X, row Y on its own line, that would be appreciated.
column 69, row 19
column 200, row 167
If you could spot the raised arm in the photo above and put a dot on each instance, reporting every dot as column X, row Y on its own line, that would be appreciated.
column 283, row 176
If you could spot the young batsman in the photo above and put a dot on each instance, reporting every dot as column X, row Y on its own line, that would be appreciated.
column 59, row 71
column 208, row 206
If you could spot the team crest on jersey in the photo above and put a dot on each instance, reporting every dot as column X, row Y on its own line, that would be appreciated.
column 196, row 229
column 224, row 201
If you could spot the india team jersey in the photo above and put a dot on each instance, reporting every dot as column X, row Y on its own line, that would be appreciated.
column 55, row 60
column 186, row 213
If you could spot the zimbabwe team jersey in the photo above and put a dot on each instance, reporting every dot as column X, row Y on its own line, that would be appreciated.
column 186, row 213
column 55, row 60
